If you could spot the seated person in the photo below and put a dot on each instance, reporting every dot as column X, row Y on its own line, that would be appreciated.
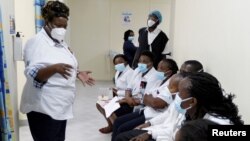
column 159, row 119
column 194, row 130
column 200, row 96
column 156, row 100
column 156, row 122
column 122, row 78
column 191, row 66
column 145, row 74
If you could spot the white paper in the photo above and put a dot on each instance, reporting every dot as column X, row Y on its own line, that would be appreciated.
column 112, row 106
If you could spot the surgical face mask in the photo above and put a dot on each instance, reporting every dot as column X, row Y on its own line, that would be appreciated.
column 142, row 67
column 150, row 23
column 120, row 67
column 131, row 38
column 178, row 102
column 160, row 75
column 58, row 34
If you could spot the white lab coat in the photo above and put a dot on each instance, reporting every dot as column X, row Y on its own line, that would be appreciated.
column 160, row 91
column 122, row 81
column 165, row 126
column 136, row 79
column 56, row 96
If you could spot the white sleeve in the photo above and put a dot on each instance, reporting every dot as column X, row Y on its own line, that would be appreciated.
column 159, row 119
column 121, row 93
column 128, row 76
column 169, row 128
column 166, row 49
column 164, row 96
column 164, row 134
column 166, row 115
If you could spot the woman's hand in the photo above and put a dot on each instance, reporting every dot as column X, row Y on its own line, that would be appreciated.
column 130, row 101
column 84, row 77
column 63, row 69
column 122, row 101
column 142, row 137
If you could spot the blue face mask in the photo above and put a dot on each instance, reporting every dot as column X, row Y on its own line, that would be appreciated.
column 142, row 67
column 178, row 102
column 160, row 75
column 131, row 38
column 120, row 67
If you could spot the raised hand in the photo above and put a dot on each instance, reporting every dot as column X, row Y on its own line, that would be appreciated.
column 84, row 77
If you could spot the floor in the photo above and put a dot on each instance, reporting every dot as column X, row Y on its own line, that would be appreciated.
column 84, row 126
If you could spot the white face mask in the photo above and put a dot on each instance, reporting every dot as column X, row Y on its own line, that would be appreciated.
column 150, row 23
column 58, row 34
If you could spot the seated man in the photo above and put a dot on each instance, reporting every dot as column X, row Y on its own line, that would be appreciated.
column 191, row 66
column 122, row 78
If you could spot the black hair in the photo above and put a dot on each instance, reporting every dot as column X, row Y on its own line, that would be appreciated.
column 196, row 65
column 210, row 99
column 149, row 54
column 120, row 55
column 126, row 34
column 172, row 65
column 54, row 9
column 196, row 130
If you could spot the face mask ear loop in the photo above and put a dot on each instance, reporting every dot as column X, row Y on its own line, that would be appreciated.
column 187, row 100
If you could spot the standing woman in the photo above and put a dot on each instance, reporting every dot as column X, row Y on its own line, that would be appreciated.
column 152, row 38
column 129, row 48
column 51, row 71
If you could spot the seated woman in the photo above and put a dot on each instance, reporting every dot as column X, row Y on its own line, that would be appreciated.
column 156, row 100
column 145, row 72
column 122, row 78
column 143, row 79
column 194, row 130
column 200, row 96
column 157, row 122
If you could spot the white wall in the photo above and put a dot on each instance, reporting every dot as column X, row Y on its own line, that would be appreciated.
column 7, row 10
column 96, row 28
column 27, row 27
column 216, row 32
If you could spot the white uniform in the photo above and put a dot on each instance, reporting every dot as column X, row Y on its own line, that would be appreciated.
column 136, row 79
column 55, row 98
column 122, row 81
column 165, row 126
column 162, row 92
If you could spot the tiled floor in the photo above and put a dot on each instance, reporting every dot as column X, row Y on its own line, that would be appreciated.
column 84, row 126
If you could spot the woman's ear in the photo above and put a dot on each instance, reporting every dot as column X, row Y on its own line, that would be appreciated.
column 169, row 72
column 193, row 102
